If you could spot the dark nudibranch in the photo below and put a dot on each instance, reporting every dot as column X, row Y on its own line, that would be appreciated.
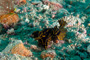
column 50, row 34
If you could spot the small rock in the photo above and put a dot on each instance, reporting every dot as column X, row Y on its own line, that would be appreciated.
column 57, row 41
column 10, row 31
column 48, row 53
column 8, row 20
column 21, row 50
column 33, row 47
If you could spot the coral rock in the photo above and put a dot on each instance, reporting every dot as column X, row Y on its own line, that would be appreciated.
column 21, row 50
column 50, row 53
column 33, row 47
column 9, row 19
column 57, row 41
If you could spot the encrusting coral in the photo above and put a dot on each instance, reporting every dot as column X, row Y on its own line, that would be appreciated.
column 21, row 50
column 48, row 53
column 50, row 34
column 7, row 15
column 9, row 19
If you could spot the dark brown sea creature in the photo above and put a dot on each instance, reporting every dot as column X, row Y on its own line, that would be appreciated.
column 50, row 34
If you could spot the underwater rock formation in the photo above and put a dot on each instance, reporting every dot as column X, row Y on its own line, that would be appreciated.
column 21, row 50
column 48, row 53
column 7, row 15
column 4, row 56
column 9, row 19
column 50, row 34
column 17, row 47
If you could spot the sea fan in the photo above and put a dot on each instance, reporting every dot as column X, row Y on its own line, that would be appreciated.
column 6, row 6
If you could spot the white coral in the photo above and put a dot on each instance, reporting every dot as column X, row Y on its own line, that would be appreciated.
column 46, row 7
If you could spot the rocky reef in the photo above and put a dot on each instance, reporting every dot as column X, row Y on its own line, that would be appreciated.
column 67, row 40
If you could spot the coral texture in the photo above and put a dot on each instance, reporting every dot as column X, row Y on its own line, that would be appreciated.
column 21, row 50
column 48, row 53
column 9, row 19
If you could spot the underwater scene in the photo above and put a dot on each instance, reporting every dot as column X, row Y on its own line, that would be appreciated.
column 44, row 29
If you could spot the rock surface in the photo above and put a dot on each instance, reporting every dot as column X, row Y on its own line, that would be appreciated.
column 17, row 47
column 48, row 53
